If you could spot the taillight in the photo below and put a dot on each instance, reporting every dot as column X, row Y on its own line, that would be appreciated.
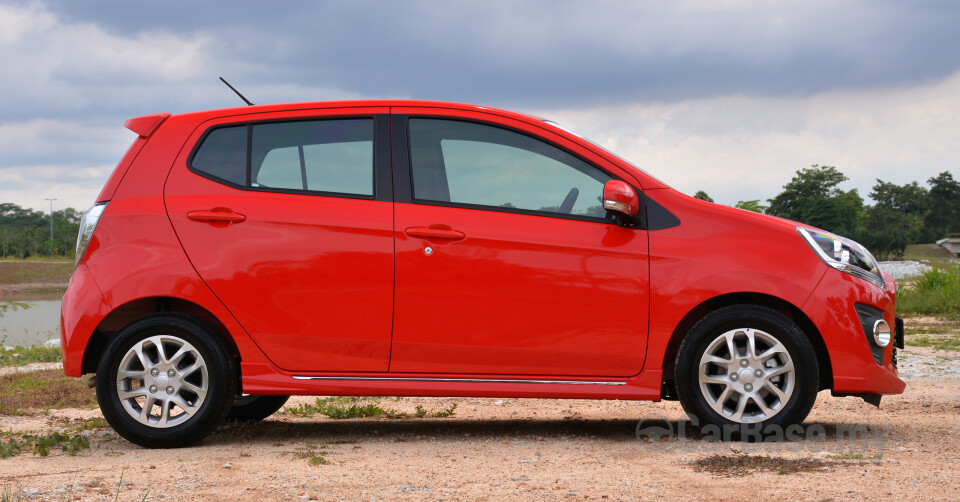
column 87, row 225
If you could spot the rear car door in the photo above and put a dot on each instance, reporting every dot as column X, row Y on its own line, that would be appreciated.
column 506, row 262
column 288, row 219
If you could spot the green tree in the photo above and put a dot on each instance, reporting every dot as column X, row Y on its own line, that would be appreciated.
column 751, row 205
column 943, row 203
column 896, row 219
column 812, row 197
column 702, row 196
column 25, row 232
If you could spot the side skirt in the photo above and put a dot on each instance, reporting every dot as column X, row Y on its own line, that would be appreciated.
column 261, row 378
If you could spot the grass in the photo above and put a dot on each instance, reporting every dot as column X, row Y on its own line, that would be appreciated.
column 926, row 252
column 847, row 456
column 914, row 327
column 339, row 407
column 742, row 463
column 312, row 455
column 35, row 271
column 935, row 292
column 345, row 407
column 7, row 495
column 948, row 343
column 20, row 356
column 44, row 390
column 41, row 445
column 14, row 306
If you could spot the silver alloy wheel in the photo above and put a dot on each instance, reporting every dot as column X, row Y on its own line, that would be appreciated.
column 746, row 375
column 162, row 381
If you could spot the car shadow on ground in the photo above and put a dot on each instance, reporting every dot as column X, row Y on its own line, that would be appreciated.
column 659, row 433
column 500, row 429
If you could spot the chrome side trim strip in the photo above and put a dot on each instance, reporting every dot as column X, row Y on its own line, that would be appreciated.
column 460, row 380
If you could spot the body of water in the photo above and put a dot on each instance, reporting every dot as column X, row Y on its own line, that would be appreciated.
column 34, row 326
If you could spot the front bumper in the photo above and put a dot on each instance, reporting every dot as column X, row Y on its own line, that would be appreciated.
column 833, row 309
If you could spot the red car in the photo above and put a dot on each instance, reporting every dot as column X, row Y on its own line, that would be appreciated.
column 236, row 257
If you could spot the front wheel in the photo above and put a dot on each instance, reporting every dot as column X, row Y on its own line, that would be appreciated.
column 165, row 381
column 747, row 365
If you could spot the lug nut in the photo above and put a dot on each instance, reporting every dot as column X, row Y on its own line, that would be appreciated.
column 171, row 373
column 154, row 372
column 744, row 363
column 170, row 390
column 748, row 387
column 153, row 389
column 758, row 373
column 734, row 377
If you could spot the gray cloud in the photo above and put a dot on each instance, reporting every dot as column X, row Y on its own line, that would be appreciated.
column 687, row 89
column 556, row 53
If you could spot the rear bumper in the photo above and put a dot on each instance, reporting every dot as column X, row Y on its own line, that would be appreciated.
column 832, row 308
column 81, row 312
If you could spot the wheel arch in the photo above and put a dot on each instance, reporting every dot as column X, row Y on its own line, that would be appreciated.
column 129, row 312
column 713, row 304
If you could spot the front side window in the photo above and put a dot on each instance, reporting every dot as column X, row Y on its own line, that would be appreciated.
column 332, row 156
column 475, row 164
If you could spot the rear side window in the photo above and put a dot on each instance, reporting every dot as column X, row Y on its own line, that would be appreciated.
column 322, row 156
column 223, row 155
column 328, row 156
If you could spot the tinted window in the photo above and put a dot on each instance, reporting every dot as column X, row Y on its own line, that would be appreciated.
column 223, row 154
column 468, row 163
column 322, row 155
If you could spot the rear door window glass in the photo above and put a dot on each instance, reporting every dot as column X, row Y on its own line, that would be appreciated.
column 333, row 156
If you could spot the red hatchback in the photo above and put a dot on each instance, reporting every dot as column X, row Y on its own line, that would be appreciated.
column 236, row 257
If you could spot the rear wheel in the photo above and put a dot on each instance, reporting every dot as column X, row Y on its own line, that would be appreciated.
column 165, row 381
column 249, row 407
column 747, row 365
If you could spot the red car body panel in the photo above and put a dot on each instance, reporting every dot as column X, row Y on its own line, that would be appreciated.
column 519, row 294
column 405, row 323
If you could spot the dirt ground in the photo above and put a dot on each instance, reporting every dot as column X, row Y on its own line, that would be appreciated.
column 514, row 449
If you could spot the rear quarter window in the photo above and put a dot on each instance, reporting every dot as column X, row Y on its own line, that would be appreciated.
column 223, row 155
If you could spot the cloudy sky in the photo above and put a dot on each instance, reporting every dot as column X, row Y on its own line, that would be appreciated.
column 727, row 96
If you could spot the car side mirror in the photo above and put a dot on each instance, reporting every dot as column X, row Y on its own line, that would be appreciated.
column 620, row 199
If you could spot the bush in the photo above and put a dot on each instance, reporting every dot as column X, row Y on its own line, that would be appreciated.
column 936, row 292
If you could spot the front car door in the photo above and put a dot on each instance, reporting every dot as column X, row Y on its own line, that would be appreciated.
column 288, row 218
column 506, row 263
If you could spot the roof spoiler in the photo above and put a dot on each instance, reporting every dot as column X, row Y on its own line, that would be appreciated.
column 147, row 124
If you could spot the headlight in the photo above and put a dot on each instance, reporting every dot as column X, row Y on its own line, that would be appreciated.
column 87, row 225
column 844, row 255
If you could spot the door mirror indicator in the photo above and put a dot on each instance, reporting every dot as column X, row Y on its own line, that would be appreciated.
column 620, row 199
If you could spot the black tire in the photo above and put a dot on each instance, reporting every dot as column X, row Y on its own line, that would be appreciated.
column 760, row 322
column 204, row 349
column 255, row 407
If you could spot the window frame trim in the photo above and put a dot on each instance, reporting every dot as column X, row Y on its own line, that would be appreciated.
column 405, row 187
column 381, row 182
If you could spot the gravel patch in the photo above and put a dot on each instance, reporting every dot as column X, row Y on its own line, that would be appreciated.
column 925, row 362
column 6, row 370
column 903, row 269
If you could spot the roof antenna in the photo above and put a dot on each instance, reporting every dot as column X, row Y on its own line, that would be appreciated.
column 245, row 100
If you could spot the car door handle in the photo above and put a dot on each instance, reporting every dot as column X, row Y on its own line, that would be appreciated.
column 435, row 233
column 216, row 216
